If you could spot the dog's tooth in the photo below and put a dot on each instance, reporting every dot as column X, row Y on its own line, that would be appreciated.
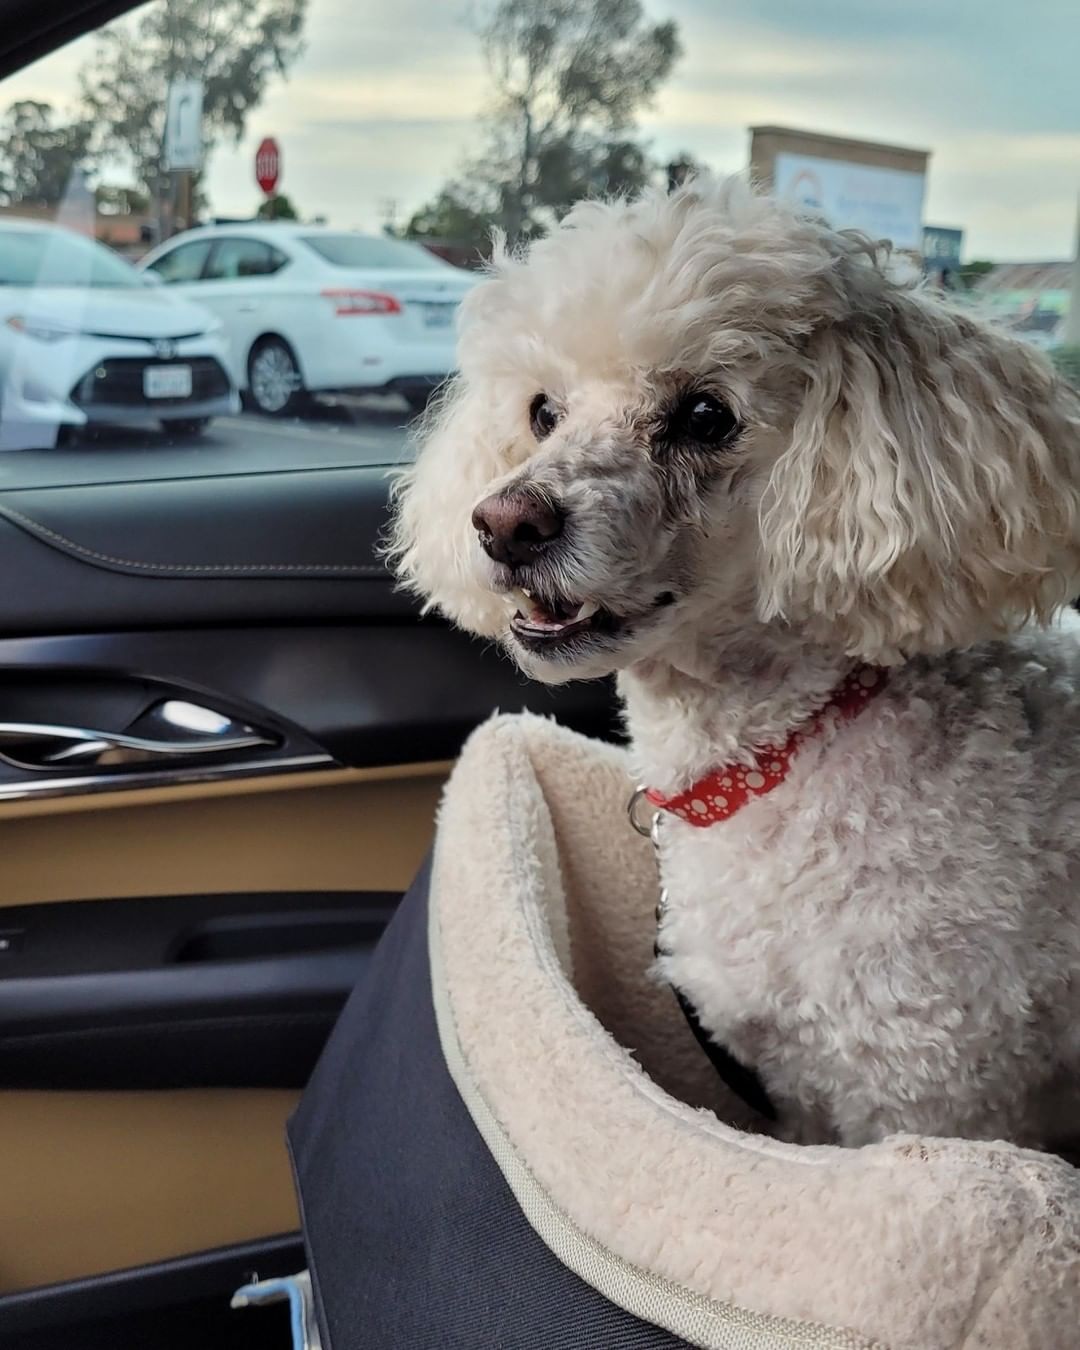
column 527, row 594
column 586, row 611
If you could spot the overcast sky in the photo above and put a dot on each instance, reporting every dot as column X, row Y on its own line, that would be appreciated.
column 383, row 105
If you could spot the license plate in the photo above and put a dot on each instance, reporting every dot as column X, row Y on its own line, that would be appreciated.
column 439, row 316
column 167, row 382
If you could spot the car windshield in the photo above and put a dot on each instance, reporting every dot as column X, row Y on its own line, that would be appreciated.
column 369, row 251
column 283, row 166
column 57, row 257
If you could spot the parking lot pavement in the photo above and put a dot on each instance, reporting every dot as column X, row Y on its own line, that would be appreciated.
column 345, row 431
column 340, row 433
column 330, row 434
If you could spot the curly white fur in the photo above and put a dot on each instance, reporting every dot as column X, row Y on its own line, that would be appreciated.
column 892, row 937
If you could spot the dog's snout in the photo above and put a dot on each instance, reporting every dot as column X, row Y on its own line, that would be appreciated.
column 516, row 527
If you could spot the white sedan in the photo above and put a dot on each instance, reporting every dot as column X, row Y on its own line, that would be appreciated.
column 308, row 309
column 84, row 338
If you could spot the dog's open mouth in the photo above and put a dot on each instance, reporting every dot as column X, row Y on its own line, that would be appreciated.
column 553, row 620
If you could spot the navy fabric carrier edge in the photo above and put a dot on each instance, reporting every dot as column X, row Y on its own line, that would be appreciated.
column 414, row 1238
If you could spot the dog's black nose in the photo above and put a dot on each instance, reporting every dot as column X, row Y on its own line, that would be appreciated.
column 515, row 527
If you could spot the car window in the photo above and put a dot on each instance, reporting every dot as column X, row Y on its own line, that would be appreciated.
column 387, row 140
column 50, row 258
column 233, row 259
column 185, row 263
column 369, row 251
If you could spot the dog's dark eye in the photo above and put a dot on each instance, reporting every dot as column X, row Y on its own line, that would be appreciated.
column 543, row 416
column 705, row 419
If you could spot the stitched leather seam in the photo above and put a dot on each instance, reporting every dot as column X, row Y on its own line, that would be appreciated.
column 36, row 528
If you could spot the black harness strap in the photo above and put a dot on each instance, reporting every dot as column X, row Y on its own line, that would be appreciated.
column 744, row 1082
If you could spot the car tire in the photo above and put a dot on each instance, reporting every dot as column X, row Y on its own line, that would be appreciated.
column 275, row 384
column 185, row 426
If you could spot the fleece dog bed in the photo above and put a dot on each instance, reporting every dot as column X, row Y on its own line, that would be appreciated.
column 513, row 1141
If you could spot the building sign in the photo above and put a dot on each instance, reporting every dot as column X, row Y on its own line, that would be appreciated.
column 941, row 248
column 183, row 126
column 884, row 203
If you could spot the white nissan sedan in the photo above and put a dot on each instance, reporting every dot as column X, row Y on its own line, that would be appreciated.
column 311, row 309
column 85, row 339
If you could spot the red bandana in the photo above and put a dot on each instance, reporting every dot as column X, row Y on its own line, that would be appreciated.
column 721, row 793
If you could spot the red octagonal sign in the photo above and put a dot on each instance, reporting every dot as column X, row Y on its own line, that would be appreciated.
column 267, row 164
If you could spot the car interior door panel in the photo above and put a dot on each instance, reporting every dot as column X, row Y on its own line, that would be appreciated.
column 187, row 991
column 265, row 895
column 124, row 1306
column 176, row 963
column 306, row 541
column 208, row 1164
column 358, row 695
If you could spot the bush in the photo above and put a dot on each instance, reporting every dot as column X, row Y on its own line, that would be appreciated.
column 1067, row 360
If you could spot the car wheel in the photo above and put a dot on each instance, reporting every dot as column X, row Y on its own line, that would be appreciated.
column 68, row 436
column 185, row 426
column 275, row 385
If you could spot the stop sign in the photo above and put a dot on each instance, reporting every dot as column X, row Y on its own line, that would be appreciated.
column 267, row 164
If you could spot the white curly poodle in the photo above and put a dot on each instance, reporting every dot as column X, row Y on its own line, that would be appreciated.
column 824, row 526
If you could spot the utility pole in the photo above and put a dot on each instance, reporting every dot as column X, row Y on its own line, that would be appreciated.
column 1072, row 323
column 182, row 149
column 388, row 210
column 184, row 218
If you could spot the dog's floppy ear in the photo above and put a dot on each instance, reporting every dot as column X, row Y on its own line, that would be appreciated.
column 930, row 495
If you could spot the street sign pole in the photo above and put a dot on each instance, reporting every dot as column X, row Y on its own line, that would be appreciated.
column 185, row 199
column 183, row 148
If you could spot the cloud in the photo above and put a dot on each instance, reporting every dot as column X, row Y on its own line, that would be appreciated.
column 992, row 97
column 384, row 102
column 1017, row 196
column 964, row 64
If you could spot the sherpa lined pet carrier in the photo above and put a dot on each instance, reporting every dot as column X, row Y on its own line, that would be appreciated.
column 513, row 1141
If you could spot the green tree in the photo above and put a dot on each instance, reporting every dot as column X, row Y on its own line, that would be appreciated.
column 277, row 207
column 568, row 77
column 457, row 215
column 1067, row 360
column 235, row 47
column 39, row 154
column 973, row 272
column 586, row 166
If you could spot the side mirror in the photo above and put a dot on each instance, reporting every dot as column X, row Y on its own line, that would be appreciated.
column 152, row 278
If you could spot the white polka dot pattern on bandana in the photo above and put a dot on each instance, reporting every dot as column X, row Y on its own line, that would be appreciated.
column 719, row 795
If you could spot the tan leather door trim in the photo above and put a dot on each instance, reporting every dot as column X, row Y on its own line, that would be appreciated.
column 346, row 830
column 100, row 1181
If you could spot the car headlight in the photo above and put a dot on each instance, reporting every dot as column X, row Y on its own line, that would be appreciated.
column 41, row 329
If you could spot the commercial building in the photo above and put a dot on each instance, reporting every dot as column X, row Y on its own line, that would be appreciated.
column 861, row 185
